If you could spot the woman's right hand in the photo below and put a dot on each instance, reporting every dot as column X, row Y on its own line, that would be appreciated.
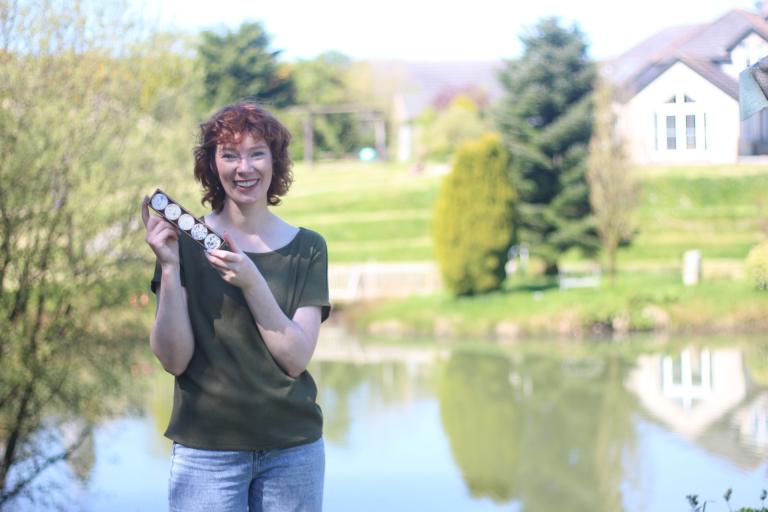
column 162, row 236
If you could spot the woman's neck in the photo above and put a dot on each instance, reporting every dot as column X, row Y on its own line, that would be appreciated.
column 252, row 219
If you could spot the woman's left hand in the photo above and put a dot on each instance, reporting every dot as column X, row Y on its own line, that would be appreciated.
column 234, row 266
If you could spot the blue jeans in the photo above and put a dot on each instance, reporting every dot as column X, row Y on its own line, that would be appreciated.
column 280, row 480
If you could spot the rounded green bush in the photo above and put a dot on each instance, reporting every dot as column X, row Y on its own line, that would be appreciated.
column 473, row 226
column 757, row 266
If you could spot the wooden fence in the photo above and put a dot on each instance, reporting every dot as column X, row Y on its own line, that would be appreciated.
column 366, row 281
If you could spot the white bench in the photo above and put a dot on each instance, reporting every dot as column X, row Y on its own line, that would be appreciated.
column 573, row 280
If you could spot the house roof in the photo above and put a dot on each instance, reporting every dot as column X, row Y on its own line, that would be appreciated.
column 700, row 47
column 422, row 82
column 715, row 41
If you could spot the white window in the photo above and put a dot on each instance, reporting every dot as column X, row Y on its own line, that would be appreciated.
column 680, row 125
column 671, row 133
column 690, row 131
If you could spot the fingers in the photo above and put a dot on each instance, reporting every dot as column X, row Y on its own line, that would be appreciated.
column 160, row 231
column 231, row 243
column 221, row 259
column 154, row 220
column 221, row 266
column 223, row 255
column 145, row 210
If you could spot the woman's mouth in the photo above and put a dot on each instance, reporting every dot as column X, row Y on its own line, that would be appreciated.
column 246, row 183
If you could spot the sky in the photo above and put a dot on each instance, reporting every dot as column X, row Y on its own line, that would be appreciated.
column 432, row 30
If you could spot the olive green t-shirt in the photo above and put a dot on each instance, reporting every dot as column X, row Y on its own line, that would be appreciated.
column 233, row 395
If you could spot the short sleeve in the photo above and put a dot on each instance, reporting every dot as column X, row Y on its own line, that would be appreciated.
column 315, row 292
column 155, row 283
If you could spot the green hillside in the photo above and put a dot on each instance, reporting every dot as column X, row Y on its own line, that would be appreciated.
column 382, row 212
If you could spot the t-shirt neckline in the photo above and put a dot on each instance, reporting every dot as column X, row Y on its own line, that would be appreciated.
column 279, row 249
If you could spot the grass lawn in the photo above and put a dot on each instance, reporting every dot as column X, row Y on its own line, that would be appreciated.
column 383, row 212
column 366, row 211
column 530, row 307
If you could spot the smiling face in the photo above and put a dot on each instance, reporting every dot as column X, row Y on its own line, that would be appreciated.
column 245, row 169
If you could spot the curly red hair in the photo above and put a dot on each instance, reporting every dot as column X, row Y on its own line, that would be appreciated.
column 228, row 125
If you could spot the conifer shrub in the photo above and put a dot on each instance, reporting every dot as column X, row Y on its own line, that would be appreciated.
column 757, row 266
column 474, row 213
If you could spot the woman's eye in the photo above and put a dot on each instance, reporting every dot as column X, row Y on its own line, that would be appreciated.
column 228, row 156
column 257, row 154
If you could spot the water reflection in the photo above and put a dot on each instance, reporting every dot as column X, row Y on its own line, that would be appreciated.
column 546, row 431
column 527, row 428
column 549, row 429
column 751, row 421
column 708, row 396
column 691, row 389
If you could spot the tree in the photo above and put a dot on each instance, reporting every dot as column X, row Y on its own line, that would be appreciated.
column 473, row 218
column 239, row 65
column 323, row 82
column 546, row 119
column 74, row 151
column 444, row 130
column 613, row 191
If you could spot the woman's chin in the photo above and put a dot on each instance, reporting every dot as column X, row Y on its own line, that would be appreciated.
column 241, row 198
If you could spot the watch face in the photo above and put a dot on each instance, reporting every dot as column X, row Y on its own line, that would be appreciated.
column 212, row 242
column 172, row 211
column 199, row 232
column 186, row 221
column 159, row 201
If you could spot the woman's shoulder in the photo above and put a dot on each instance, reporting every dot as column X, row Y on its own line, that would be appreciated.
column 311, row 237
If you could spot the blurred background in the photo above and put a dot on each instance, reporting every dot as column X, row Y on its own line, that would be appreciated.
column 547, row 228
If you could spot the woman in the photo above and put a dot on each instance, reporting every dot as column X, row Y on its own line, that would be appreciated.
column 238, row 327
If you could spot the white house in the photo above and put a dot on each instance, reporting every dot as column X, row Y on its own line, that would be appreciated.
column 678, row 92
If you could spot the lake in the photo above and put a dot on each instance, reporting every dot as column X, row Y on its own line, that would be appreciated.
column 475, row 426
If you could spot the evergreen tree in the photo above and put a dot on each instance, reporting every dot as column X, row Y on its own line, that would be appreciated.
column 546, row 118
column 473, row 218
column 240, row 65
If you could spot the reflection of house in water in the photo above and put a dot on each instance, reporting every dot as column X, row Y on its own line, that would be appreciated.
column 742, row 436
column 752, row 421
column 691, row 390
column 705, row 395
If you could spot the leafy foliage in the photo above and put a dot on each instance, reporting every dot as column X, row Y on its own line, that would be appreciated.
column 757, row 266
column 239, row 65
column 442, row 131
column 613, row 191
column 473, row 218
column 76, row 119
column 325, row 82
column 546, row 118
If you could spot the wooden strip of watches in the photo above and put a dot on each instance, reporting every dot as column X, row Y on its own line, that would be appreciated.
column 187, row 223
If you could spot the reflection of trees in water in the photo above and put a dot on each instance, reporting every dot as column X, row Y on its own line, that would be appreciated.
column 83, row 459
column 756, row 360
column 336, row 382
column 380, row 383
column 481, row 411
column 159, row 405
column 546, row 431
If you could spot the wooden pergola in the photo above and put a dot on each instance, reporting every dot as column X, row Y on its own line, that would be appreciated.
column 364, row 114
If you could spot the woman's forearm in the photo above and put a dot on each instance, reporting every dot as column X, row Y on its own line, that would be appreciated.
column 171, row 338
column 289, row 343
